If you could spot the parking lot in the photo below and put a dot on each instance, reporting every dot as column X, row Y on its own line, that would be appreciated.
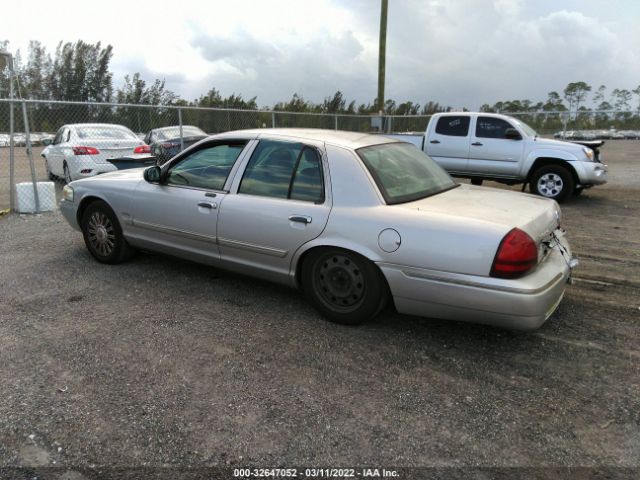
column 164, row 363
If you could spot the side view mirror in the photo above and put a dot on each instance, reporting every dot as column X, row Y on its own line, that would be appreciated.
column 153, row 174
column 512, row 134
column 46, row 141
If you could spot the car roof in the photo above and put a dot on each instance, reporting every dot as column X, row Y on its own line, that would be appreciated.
column 91, row 125
column 339, row 138
column 176, row 126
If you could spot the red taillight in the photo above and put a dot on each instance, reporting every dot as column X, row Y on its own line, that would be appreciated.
column 85, row 151
column 142, row 149
column 516, row 255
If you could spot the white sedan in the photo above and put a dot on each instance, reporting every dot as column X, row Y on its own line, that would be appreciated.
column 355, row 221
column 84, row 150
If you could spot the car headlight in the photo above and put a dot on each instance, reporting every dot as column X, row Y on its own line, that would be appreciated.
column 67, row 193
column 588, row 152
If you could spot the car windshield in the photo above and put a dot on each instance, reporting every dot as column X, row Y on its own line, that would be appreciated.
column 174, row 132
column 530, row 132
column 105, row 132
column 403, row 173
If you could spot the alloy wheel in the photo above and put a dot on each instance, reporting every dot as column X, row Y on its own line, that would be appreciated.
column 101, row 233
column 550, row 185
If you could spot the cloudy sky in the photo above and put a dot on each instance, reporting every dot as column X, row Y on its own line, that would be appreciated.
column 456, row 52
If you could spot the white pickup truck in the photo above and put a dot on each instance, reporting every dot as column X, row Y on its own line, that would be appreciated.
column 487, row 146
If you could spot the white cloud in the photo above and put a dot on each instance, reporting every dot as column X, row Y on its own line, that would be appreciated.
column 457, row 52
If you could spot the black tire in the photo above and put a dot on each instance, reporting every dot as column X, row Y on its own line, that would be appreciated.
column 103, row 235
column 552, row 181
column 344, row 286
column 67, row 173
column 578, row 191
column 476, row 181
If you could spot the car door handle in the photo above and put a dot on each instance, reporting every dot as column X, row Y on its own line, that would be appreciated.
column 476, row 144
column 434, row 141
column 300, row 219
column 209, row 205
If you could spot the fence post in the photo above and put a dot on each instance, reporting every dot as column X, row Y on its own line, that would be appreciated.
column 273, row 119
column 12, row 179
column 389, row 124
column 180, row 124
column 336, row 122
column 27, row 134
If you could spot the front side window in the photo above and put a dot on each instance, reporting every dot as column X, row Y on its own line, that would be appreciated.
column 403, row 173
column 286, row 170
column 454, row 126
column 489, row 127
column 206, row 168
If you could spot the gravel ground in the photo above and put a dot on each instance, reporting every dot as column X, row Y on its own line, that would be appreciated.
column 174, row 366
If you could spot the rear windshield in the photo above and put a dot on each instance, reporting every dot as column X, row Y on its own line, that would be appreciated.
column 115, row 133
column 403, row 173
column 174, row 132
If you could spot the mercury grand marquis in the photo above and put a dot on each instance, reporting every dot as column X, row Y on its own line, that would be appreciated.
column 354, row 221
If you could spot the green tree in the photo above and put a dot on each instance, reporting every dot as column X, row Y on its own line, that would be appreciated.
column 599, row 96
column 575, row 93
column 335, row 104
column 80, row 72
column 637, row 92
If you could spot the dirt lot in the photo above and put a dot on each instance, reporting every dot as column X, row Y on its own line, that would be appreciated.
column 167, row 364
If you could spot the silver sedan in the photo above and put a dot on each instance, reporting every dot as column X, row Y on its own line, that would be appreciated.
column 355, row 221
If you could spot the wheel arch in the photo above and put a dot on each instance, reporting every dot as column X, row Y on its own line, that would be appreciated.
column 546, row 161
column 85, row 202
column 305, row 251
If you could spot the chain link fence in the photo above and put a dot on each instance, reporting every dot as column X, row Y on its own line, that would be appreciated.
column 37, row 124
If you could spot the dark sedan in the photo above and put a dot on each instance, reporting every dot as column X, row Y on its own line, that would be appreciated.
column 165, row 142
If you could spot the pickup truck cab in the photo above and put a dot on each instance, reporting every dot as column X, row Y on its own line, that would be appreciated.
column 488, row 146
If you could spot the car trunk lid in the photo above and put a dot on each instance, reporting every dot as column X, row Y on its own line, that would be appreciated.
column 538, row 217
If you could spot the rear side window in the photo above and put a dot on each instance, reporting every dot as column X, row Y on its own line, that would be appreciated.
column 286, row 170
column 489, row 127
column 453, row 126
column 403, row 173
column 107, row 132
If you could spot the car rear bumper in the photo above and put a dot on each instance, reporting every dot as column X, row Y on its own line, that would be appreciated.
column 85, row 168
column 520, row 304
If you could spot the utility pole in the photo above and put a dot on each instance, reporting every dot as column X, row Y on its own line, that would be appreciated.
column 382, row 54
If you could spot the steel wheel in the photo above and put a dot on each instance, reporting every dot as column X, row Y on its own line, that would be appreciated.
column 67, row 174
column 101, row 234
column 344, row 286
column 550, row 185
column 340, row 282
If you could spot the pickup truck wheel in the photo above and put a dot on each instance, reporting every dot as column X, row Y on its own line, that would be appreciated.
column 103, row 235
column 552, row 181
column 344, row 286
column 578, row 191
